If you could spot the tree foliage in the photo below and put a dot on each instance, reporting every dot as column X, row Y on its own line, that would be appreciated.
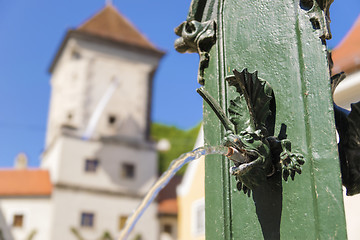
column 181, row 141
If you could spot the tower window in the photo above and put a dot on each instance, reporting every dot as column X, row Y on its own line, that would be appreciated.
column 69, row 116
column 111, row 120
column 122, row 221
column 75, row 55
column 168, row 228
column 18, row 220
column 87, row 219
column 91, row 165
column 127, row 171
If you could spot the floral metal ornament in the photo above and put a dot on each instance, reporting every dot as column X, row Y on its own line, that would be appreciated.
column 255, row 152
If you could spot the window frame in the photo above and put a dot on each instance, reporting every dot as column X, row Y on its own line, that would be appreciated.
column 14, row 220
column 168, row 228
column 121, row 224
column 84, row 214
column 123, row 171
column 87, row 163
column 196, row 228
column 112, row 120
column 75, row 55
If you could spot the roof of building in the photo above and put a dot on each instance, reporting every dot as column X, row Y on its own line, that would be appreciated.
column 168, row 207
column 110, row 27
column 167, row 197
column 25, row 182
column 346, row 56
column 109, row 23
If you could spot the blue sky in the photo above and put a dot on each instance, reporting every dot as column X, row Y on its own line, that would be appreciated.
column 31, row 32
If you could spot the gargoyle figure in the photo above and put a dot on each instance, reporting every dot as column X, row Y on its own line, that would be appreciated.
column 256, row 153
column 348, row 127
column 196, row 37
column 325, row 6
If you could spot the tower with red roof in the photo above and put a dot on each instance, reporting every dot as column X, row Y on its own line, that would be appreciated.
column 98, row 161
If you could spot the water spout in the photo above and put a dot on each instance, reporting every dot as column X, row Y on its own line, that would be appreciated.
column 175, row 166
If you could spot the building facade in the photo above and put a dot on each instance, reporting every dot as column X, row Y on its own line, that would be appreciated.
column 191, row 199
column 98, row 157
column 346, row 57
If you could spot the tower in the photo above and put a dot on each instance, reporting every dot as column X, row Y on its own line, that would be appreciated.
column 98, row 151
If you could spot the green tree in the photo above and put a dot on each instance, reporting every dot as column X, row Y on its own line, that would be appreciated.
column 181, row 141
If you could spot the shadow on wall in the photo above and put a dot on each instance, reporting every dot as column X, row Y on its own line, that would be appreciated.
column 269, row 212
column 5, row 233
column 129, row 127
column 122, row 158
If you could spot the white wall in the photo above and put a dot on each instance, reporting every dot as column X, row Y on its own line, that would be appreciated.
column 72, row 153
column 4, row 227
column 51, row 160
column 168, row 220
column 79, row 84
column 352, row 215
column 107, row 209
column 348, row 91
column 37, row 214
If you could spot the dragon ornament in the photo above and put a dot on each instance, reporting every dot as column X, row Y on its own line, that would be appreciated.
column 253, row 149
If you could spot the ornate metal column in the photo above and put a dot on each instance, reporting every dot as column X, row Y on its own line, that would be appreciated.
column 285, row 43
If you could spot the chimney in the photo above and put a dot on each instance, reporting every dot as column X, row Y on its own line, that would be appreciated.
column 21, row 161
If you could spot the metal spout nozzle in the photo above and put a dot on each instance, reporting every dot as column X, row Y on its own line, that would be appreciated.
column 236, row 156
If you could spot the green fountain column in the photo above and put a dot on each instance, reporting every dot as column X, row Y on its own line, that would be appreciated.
column 285, row 42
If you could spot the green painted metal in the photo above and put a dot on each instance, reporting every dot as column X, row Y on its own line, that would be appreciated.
column 284, row 41
column 256, row 152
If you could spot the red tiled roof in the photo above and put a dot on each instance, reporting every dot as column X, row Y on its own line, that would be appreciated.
column 167, row 197
column 108, row 26
column 109, row 23
column 168, row 206
column 28, row 182
column 346, row 56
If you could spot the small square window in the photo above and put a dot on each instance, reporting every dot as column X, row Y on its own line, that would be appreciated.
column 198, row 217
column 128, row 171
column 69, row 116
column 75, row 55
column 87, row 219
column 91, row 165
column 168, row 228
column 122, row 222
column 18, row 220
column 111, row 120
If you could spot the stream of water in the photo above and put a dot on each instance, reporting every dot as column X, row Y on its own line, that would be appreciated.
column 175, row 166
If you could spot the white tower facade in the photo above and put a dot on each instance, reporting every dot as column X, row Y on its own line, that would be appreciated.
column 98, row 152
